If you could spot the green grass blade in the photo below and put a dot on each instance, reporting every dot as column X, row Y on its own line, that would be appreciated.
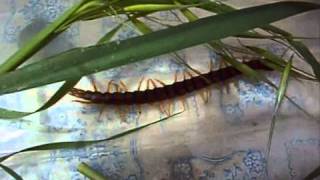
column 37, row 42
column 219, row 7
column 11, row 172
column 62, row 91
column 308, row 57
column 278, row 63
column 107, row 38
column 143, row 28
column 314, row 174
column 65, row 88
column 80, row 144
column 87, row 171
column 84, row 61
column 280, row 95
column 155, row 7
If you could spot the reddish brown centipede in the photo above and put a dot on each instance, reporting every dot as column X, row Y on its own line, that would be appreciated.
column 165, row 92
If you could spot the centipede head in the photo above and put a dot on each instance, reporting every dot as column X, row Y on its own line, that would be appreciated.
column 79, row 93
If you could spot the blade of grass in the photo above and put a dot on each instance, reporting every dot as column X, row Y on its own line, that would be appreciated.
column 280, row 95
column 90, row 173
column 219, row 7
column 276, row 60
column 155, row 7
column 62, row 91
column 37, row 42
column 313, row 175
column 308, row 57
column 11, row 172
column 251, row 73
column 80, row 144
column 84, row 61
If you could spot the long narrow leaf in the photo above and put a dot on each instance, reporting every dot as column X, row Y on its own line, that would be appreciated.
column 80, row 144
column 276, row 60
column 62, row 91
column 87, row 171
column 11, row 172
column 84, row 61
column 37, row 42
column 280, row 95
column 308, row 57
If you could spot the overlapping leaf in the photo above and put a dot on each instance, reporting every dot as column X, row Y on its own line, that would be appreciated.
column 84, row 61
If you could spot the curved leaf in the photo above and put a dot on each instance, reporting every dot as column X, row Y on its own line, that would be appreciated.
column 80, row 144
column 87, row 171
column 84, row 61
column 11, row 172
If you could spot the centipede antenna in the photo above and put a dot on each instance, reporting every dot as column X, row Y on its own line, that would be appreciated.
column 83, row 102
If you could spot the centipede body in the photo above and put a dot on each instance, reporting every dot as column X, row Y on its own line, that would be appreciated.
column 169, row 91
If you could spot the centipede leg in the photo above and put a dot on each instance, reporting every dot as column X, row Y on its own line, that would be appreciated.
column 210, row 65
column 151, row 82
column 175, row 77
column 160, row 82
column 111, row 84
column 169, row 103
column 123, row 86
column 205, row 94
column 187, row 74
column 165, row 110
column 93, row 83
column 140, row 83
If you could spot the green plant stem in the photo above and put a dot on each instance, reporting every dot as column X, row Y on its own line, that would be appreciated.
column 86, row 170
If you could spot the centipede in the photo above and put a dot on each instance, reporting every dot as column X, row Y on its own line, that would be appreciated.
column 166, row 91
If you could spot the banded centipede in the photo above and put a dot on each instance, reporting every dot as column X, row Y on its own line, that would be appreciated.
column 165, row 92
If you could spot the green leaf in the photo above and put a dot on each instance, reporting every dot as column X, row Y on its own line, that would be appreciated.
column 87, row 171
column 66, row 87
column 278, row 63
column 308, row 57
column 219, row 7
column 154, row 7
column 80, row 144
column 143, row 28
column 63, row 90
column 280, row 95
column 11, row 172
column 84, row 61
column 37, row 42
column 246, row 70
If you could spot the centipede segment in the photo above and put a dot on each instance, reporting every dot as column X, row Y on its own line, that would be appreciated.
column 164, row 93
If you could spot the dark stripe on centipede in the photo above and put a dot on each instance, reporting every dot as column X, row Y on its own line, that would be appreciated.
column 167, row 92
